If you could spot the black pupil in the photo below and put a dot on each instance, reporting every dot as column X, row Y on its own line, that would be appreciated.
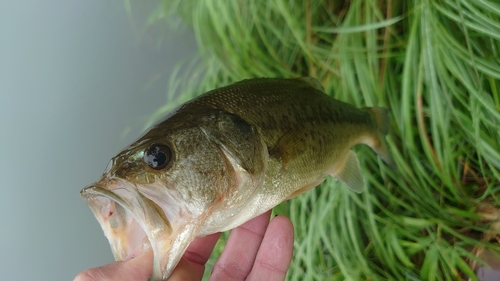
column 159, row 159
column 158, row 156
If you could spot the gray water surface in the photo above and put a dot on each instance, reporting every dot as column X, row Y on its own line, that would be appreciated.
column 74, row 79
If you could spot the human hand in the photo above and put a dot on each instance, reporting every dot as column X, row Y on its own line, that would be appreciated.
column 256, row 250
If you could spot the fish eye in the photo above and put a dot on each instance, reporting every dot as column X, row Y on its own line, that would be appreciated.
column 158, row 156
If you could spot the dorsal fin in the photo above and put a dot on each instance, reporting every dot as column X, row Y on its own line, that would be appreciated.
column 313, row 82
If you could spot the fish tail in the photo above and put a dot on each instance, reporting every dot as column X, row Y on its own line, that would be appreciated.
column 380, row 116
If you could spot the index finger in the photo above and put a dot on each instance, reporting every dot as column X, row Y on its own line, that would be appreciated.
column 198, row 252
column 275, row 252
column 241, row 248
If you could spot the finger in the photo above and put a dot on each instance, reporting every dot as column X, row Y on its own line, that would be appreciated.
column 184, row 271
column 137, row 269
column 275, row 253
column 198, row 252
column 238, row 256
column 140, row 268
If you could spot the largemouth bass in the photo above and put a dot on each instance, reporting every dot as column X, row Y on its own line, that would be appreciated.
column 226, row 157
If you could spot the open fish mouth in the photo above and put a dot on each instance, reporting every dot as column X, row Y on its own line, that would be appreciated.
column 132, row 223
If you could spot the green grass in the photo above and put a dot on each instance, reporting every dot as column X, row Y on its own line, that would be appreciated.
column 435, row 64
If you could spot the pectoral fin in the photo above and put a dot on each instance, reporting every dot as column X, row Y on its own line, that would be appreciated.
column 350, row 173
column 289, row 146
column 239, row 139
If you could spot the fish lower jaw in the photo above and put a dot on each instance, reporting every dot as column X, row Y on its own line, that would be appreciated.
column 135, row 224
column 123, row 227
column 125, row 235
column 136, row 246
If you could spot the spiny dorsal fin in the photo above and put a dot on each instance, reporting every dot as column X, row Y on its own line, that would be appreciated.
column 313, row 82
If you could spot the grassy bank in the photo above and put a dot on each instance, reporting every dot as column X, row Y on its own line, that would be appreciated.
column 435, row 64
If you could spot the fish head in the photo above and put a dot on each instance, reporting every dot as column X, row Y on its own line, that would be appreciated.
column 154, row 194
column 157, row 193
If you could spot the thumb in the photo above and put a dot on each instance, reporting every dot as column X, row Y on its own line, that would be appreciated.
column 136, row 269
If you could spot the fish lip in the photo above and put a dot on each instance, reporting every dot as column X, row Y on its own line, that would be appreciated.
column 138, row 225
column 93, row 190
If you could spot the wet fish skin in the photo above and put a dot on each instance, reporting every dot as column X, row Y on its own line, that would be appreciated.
column 231, row 154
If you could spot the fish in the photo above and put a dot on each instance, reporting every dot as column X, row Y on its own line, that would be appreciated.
column 226, row 157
